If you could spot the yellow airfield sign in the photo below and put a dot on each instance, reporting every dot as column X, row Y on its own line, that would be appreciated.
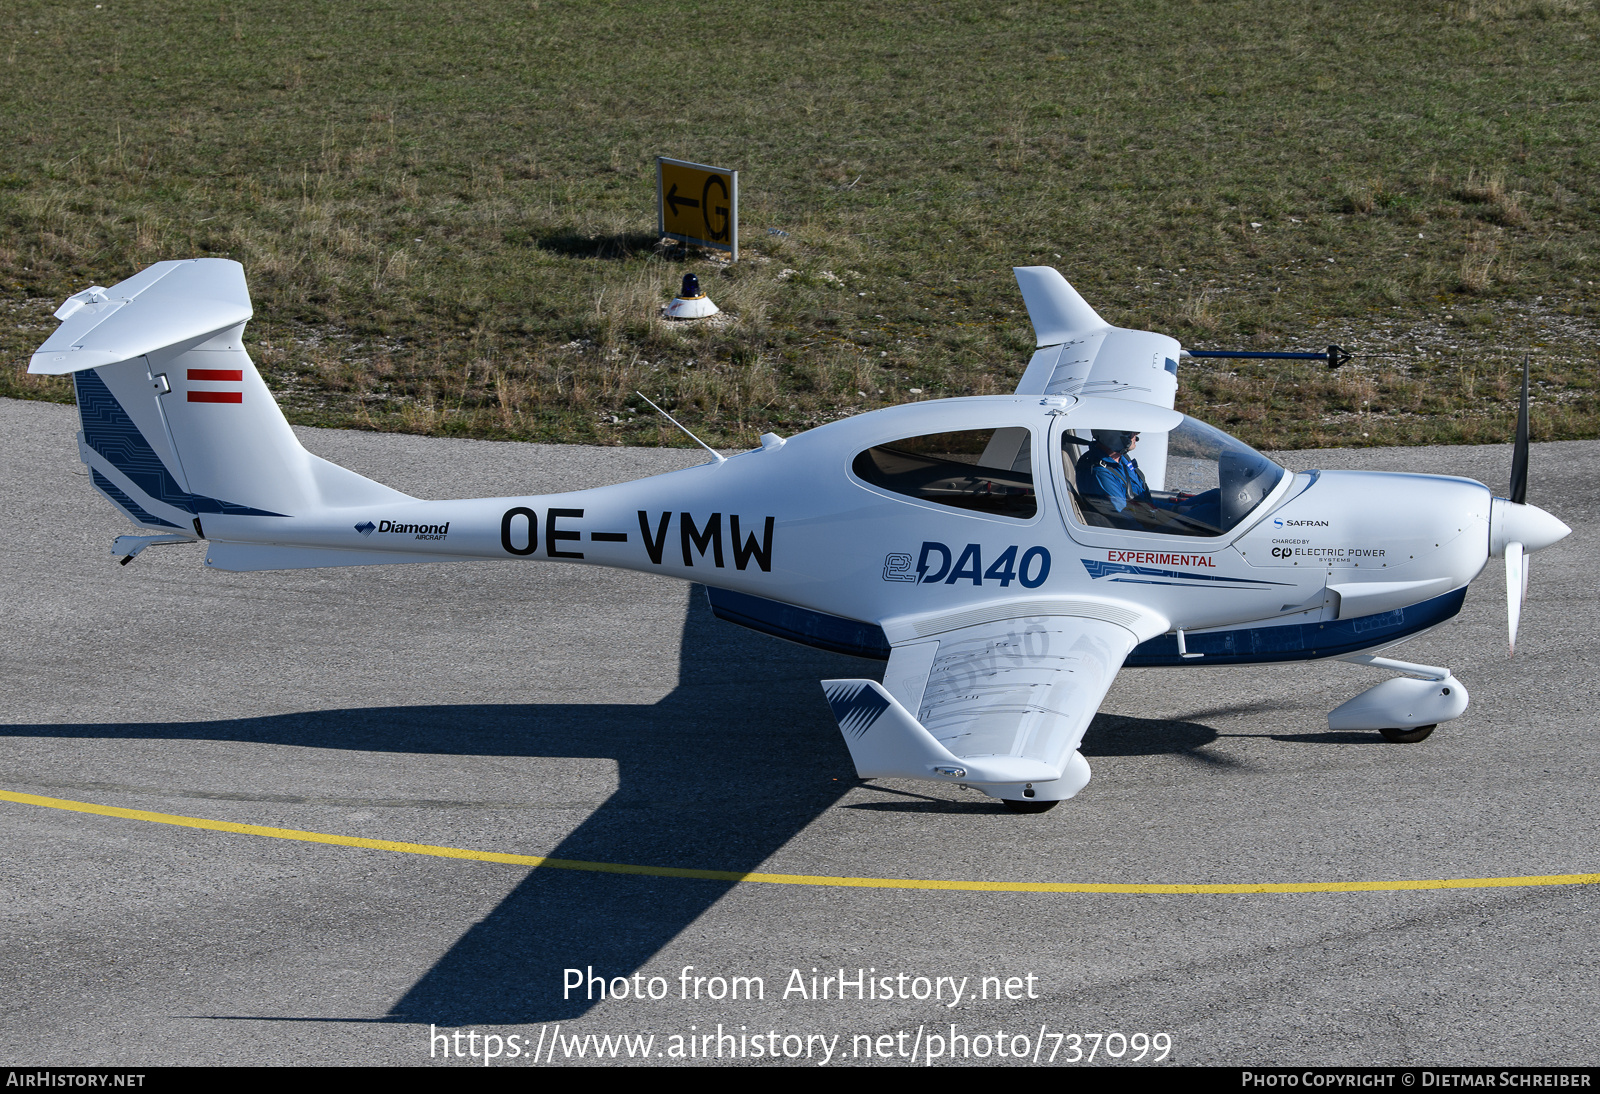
column 698, row 204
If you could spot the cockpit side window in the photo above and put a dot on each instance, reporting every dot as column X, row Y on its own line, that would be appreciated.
column 985, row 471
column 1205, row 483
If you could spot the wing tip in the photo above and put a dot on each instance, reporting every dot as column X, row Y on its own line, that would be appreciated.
column 1056, row 310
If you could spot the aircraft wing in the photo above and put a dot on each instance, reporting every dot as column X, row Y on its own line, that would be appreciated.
column 1000, row 704
column 1081, row 354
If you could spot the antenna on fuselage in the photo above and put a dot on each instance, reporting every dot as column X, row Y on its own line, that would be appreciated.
column 715, row 455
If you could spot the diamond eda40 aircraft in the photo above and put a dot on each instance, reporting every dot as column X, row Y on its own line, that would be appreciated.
column 1006, row 554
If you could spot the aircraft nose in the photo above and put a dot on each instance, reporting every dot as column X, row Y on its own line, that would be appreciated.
column 1525, row 524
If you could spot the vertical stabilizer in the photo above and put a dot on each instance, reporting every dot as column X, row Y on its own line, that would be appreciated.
column 176, row 420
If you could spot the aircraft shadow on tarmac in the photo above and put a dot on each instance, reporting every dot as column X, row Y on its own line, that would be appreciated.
column 1118, row 735
column 1108, row 735
column 738, row 759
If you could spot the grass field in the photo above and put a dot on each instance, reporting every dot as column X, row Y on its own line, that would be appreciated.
column 446, row 212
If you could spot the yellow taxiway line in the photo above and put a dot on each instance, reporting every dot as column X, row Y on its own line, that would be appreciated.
column 797, row 879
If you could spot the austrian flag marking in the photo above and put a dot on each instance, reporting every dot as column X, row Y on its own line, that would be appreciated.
column 227, row 375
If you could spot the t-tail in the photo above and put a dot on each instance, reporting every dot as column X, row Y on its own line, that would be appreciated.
column 181, row 434
column 177, row 426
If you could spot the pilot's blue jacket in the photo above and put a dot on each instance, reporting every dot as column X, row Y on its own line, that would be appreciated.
column 1113, row 476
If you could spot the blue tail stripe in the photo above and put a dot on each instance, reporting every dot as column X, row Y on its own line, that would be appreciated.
column 109, row 431
column 127, row 504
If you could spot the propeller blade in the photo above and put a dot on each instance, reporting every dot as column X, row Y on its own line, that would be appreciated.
column 1519, row 455
column 1516, row 588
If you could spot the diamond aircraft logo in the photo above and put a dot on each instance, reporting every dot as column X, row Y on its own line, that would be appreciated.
column 420, row 531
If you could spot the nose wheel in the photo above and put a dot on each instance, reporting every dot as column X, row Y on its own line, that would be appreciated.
column 1404, row 709
column 1028, row 805
column 1408, row 736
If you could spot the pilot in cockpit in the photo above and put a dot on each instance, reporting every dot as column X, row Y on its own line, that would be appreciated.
column 1109, row 477
column 1110, row 483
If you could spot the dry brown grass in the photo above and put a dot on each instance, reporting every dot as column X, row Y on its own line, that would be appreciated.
column 446, row 216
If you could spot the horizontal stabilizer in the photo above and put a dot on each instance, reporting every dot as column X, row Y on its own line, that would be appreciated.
column 886, row 742
column 181, row 303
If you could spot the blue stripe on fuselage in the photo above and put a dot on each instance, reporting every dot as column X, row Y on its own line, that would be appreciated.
column 818, row 629
column 1099, row 569
column 1298, row 641
column 1242, row 646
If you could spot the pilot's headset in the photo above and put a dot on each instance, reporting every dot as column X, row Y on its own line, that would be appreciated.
column 1116, row 440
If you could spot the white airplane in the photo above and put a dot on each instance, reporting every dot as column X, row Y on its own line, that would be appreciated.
column 1005, row 554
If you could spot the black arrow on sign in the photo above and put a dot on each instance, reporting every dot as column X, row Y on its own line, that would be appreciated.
column 673, row 200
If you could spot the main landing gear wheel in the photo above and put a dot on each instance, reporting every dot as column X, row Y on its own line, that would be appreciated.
column 1408, row 736
column 1026, row 805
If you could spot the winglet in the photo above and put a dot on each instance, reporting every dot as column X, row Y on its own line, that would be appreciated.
column 1056, row 310
column 886, row 742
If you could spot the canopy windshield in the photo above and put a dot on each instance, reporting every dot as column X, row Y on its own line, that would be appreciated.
column 1212, row 480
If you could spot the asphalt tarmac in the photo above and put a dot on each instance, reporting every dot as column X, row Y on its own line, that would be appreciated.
column 607, row 717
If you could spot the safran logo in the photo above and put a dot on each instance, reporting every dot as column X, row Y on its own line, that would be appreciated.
column 366, row 527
